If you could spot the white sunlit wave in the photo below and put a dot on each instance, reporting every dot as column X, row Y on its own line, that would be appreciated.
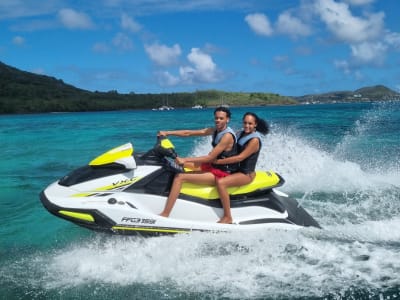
column 271, row 264
column 307, row 167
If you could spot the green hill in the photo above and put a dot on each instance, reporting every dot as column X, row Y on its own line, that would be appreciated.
column 372, row 93
column 25, row 92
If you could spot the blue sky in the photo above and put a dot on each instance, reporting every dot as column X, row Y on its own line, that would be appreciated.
column 154, row 46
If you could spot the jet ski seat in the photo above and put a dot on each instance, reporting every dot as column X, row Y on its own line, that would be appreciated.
column 263, row 180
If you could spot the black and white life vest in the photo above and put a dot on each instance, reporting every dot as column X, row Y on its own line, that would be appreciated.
column 217, row 136
column 248, row 165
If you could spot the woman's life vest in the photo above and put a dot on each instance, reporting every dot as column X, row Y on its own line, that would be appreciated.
column 248, row 165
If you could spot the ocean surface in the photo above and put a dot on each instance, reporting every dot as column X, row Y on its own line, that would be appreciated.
column 341, row 161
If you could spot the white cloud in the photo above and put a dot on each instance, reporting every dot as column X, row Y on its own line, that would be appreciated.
column 203, row 64
column 370, row 53
column 201, row 69
column 187, row 74
column 122, row 42
column 359, row 2
column 259, row 23
column 287, row 24
column 348, row 71
column 167, row 79
column 74, row 20
column 393, row 39
column 18, row 40
column 130, row 24
column 366, row 36
column 10, row 9
column 163, row 55
column 346, row 27
column 343, row 65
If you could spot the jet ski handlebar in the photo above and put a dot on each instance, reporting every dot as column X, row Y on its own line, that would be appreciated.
column 164, row 147
column 163, row 151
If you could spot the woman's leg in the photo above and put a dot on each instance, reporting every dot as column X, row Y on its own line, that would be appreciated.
column 180, row 178
column 235, row 179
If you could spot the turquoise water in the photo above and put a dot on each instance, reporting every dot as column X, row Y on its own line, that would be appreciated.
column 341, row 161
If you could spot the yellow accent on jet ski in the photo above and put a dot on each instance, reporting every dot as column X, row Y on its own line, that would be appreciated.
column 113, row 155
column 150, row 229
column 262, row 180
column 167, row 144
column 77, row 215
column 109, row 187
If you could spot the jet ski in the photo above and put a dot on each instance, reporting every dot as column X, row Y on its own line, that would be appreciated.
column 123, row 192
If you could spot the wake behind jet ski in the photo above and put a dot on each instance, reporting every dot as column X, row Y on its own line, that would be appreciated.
column 123, row 192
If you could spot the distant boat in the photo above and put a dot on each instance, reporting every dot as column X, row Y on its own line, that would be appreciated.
column 197, row 106
column 223, row 104
column 164, row 107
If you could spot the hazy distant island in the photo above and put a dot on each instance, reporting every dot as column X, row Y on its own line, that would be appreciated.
column 25, row 92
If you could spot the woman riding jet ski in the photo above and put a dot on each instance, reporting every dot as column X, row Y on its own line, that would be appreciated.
column 123, row 192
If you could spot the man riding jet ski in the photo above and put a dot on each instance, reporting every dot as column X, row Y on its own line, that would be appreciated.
column 123, row 192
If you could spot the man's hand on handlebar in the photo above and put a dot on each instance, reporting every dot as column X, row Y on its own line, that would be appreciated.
column 180, row 161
